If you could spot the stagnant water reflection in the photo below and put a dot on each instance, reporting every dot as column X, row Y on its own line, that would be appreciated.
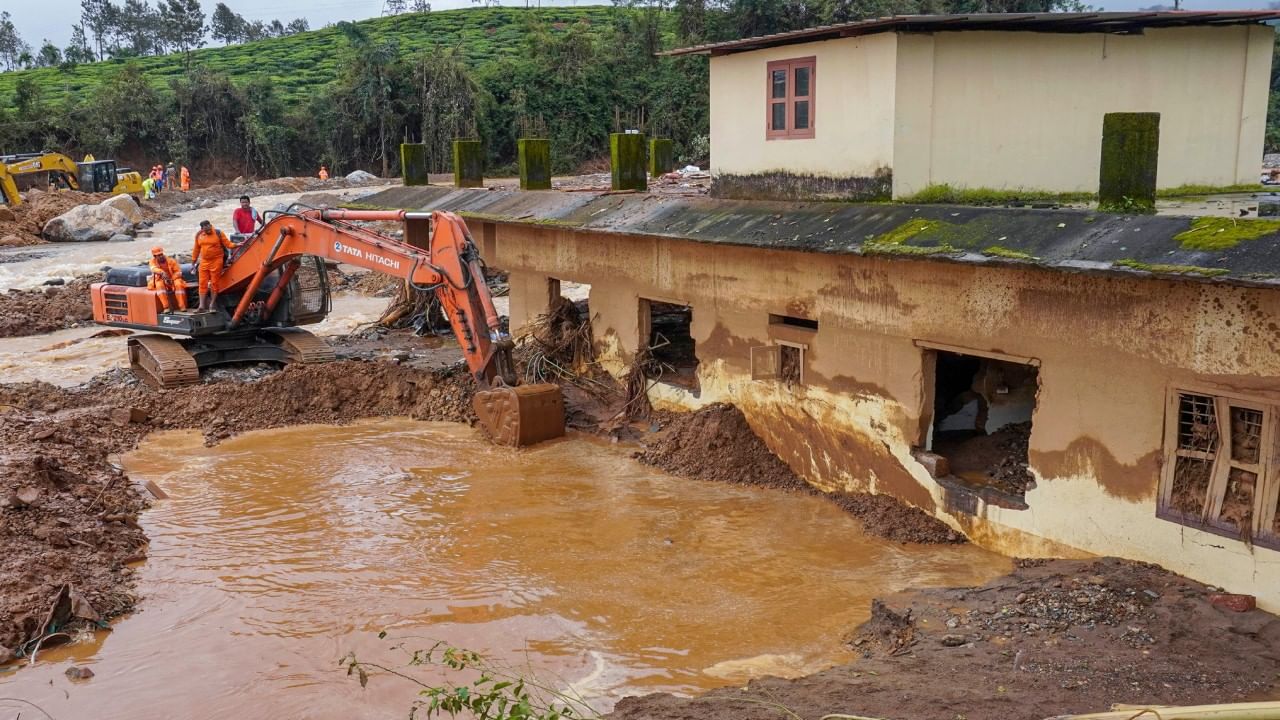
column 279, row 551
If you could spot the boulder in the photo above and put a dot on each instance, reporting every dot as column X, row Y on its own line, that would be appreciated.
column 209, row 203
column 125, row 204
column 361, row 176
column 87, row 223
column 120, row 237
column 6, row 215
column 11, row 241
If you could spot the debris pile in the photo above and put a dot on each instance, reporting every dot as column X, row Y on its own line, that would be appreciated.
column 23, row 224
column 46, row 309
column 1050, row 638
column 716, row 443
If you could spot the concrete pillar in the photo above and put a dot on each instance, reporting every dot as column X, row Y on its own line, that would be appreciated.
column 468, row 163
column 626, row 155
column 1130, row 151
column 661, row 157
column 534, row 159
column 413, row 164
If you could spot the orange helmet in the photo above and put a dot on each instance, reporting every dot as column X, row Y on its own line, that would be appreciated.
column 157, row 250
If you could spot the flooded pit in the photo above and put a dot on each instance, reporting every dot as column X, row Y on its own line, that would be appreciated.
column 279, row 551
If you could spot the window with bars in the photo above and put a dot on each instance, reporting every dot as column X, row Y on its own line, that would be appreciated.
column 1221, row 471
column 791, row 88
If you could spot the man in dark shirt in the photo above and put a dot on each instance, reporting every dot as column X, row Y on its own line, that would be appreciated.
column 245, row 219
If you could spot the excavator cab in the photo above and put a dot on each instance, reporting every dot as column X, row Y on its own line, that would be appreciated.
column 98, row 176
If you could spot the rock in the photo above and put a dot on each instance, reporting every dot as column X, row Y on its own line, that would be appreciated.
column 44, row 433
column 50, row 292
column 209, row 203
column 6, row 655
column 1233, row 602
column 952, row 640
column 79, row 673
column 25, row 497
column 54, row 281
column 10, row 241
column 1022, row 597
column 56, row 537
column 6, row 215
column 87, row 223
column 125, row 204
column 120, row 237
column 361, row 176
column 123, row 416
column 82, row 608
column 1269, row 207
column 935, row 464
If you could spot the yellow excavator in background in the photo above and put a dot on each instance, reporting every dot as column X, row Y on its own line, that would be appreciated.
column 90, row 176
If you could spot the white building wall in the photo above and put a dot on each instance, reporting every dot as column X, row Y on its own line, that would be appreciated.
column 854, row 112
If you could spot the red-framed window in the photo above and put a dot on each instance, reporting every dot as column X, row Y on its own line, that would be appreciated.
column 789, row 91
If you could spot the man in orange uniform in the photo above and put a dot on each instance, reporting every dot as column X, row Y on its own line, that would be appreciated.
column 185, row 180
column 208, row 257
column 324, row 172
column 166, row 277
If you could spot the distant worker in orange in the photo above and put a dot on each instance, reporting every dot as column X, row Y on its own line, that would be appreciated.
column 209, row 256
column 166, row 277
column 324, row 172
column 185, row 178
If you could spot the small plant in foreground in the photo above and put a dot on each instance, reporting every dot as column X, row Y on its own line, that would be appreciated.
column 489, row 690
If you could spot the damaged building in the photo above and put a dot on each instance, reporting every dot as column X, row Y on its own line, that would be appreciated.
column 1052, row 381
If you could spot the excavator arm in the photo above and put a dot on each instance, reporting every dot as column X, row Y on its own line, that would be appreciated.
column 450, row 268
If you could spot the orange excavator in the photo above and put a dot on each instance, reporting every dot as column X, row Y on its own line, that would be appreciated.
column 276, row 281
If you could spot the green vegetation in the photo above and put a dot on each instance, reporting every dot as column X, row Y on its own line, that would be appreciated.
column 1190, row 190
column 894, row 241
column 1161, row 269
column 1219, row 233
column 1004, row 252
column 473, row 686
column 944, row 194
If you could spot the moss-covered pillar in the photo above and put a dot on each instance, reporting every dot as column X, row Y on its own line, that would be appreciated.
column 626, row 156
column 413, row 164
column 468, row 163
column 534, row 158
column 661, row 157
column 1130, row 151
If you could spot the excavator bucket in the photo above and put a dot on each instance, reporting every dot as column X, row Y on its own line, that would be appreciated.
column 519, row 416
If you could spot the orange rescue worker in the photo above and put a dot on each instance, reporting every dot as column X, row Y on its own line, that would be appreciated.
column 166, row 277
column 208, row 257
column 185, row 176
column 324, row 172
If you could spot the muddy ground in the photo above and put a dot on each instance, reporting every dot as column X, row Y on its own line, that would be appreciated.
column 23, row 224
column 46, row 309
column 1052, row 637
column 716, row 443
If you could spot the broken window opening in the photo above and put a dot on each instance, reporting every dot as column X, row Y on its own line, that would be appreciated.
column 671, row 349
column 981, row 422
column 796, row 322
column 1218, row 471
column 782, row 361
column 559, row 344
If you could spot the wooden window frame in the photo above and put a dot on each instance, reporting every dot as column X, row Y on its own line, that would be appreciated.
column 766, row 361
column 1266, row 490
column 790, row 99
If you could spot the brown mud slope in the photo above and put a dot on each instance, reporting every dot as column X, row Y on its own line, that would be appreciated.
column 42, row 310
column 69, row 518
column 1053, row 637
column 716, row 443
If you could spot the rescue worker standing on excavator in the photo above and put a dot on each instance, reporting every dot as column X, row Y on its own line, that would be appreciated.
column 166, row 277
column 209, row 255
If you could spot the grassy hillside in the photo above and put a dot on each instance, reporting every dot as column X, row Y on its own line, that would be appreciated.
column 300, row 64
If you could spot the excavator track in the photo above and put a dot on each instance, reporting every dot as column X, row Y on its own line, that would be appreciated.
column 161, row 361
column 301, row 346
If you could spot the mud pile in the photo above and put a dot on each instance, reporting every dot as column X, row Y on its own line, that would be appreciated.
column 42, row 310
column 716, row 443
column 69, row 518
column 177, row 201
column 40, row 207
column 1052, row 637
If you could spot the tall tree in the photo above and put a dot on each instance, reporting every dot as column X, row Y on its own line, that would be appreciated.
column 11, row 45
column 394, row 7
column 183, row 25
column 276, row 29
column 297, row 25
column 78, row 50
column 49, row 55
column 420, row 6
column 225, row 25
column 97, row 16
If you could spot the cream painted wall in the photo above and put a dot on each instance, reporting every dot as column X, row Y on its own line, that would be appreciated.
column 853, row 123
column 1024, row 110
column 1005, row 110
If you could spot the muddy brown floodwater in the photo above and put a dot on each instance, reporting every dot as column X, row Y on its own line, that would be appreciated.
column 279, row 551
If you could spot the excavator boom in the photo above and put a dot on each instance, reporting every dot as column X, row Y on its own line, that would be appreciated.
column 446, row 264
